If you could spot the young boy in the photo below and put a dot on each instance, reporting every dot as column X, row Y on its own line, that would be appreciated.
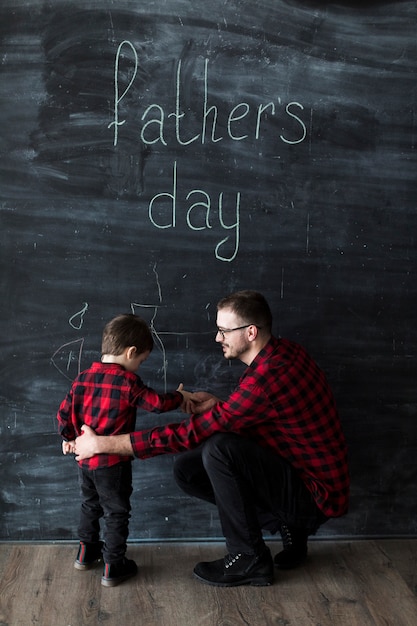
column 105, row 397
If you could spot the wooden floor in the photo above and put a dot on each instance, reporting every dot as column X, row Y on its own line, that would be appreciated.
column 349, row 583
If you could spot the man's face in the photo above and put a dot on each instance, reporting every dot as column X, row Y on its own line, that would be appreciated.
column 234, row 344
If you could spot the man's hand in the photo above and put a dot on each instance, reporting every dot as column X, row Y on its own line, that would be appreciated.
column 197, row 402
column 204, row 401
column 86, row 444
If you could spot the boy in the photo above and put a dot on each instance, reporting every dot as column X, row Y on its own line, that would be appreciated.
column 106, row 396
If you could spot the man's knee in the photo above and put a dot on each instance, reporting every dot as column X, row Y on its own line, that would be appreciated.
column 183, row 469
column 219, row 448
column 191, row 477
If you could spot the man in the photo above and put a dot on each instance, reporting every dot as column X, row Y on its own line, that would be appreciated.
column 272, row 456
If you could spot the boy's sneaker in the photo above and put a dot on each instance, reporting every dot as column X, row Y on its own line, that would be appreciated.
column 115, row 573
column 88, row 555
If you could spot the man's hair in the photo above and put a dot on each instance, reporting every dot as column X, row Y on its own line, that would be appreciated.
column 250, row 306
column 125, row 331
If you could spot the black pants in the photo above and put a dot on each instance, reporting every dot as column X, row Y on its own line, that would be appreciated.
column 106, row 493
column 253, row 488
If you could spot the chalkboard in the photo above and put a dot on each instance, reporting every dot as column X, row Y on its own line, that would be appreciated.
column 158, row 155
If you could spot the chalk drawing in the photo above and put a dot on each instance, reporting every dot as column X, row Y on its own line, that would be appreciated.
column 77, row 320
column 70, row 353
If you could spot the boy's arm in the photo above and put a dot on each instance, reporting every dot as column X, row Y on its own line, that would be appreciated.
column 89, row 444
column 65, row 426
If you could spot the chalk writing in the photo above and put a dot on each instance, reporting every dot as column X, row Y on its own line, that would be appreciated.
column 156, row 127
column 164, row 207
column 117, row 98
column 199, row 207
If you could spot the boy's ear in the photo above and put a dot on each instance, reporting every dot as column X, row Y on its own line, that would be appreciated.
column 131, row 352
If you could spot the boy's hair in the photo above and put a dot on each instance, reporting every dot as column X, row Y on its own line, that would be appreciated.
column 125, row 331
column 250, row 306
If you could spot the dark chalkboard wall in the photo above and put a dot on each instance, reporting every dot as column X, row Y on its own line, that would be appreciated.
column 157, row 155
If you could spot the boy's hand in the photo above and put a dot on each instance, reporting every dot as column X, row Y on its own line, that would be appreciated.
column 187, row 404
column 68, row 447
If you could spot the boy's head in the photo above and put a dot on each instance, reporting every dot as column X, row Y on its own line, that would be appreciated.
column 126, row 331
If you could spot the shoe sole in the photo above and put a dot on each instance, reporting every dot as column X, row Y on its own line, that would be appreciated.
column 85, row 566
column 254, row 582
column 106, row 582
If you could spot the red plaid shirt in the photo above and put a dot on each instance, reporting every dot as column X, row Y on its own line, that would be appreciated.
column 106, row 397
column 283, row 402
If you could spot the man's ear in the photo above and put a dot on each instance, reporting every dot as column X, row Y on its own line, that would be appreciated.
column 252, row 332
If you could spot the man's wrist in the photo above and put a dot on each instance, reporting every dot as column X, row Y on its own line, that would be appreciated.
column 100, row 444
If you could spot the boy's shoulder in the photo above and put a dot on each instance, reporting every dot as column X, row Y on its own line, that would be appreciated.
column 109, row 374
column 97, row 368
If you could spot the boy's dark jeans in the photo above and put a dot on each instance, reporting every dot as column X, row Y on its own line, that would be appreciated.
column 106, row 493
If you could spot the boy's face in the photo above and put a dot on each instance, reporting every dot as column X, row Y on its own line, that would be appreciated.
column 134, row 362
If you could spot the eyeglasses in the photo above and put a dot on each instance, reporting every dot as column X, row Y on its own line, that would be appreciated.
column 223, row 331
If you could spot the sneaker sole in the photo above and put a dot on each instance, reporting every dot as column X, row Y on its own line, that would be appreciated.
column 113, row 582
column 85, row 566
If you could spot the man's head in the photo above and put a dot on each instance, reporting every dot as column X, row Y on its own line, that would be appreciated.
column 127, row 338
column 244, row 323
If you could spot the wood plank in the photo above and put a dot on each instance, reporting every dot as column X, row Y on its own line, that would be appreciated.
column 361, row 573
column 403, row 554
column 304, row 594
column 360, row 583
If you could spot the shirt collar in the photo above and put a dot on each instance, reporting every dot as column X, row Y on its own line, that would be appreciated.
column 268, row 349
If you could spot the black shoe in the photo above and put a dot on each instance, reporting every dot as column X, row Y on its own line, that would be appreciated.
column 237, row 569
column 115, row 573
column 88, row 555
column 295, row 548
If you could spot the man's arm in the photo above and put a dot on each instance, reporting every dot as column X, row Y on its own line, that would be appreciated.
column 89, row 444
